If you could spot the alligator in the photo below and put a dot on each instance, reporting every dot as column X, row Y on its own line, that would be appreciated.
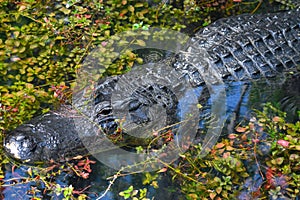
column 236, row 49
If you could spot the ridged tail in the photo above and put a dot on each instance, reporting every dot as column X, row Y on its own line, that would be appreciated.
column 245, row 47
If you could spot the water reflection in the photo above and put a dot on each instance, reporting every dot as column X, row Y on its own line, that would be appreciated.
column 240, row 99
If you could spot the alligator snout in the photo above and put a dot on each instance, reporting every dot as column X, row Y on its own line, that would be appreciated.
column 19, row 146
column 41, row 139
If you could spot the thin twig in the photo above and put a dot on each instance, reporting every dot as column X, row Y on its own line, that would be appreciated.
column 256, row 160
column 109, row 186
column 258, row 5
column 178, row 171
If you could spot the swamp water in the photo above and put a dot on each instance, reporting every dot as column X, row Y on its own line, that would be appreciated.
column 240, row 99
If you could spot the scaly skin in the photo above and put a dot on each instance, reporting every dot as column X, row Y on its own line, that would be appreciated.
column 237, row 48
column 245, row 47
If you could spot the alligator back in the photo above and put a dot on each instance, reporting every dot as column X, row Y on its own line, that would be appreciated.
column 245, row 47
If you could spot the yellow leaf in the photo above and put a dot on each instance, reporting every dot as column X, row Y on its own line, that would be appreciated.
column 193, row 196
column 22, row 7
column 16, row 33
column 29, row 171
column 123, row 12
column 139, row 60
column 141, row 43
column 29, row 86
column 30, row 78
column 22, row 49
column 65, row 10
column 17, row 43
column 33, row 46
column 77, row 157
column 131, row 8
column 137, row 5
column 41, row 76
column 59, row 38
column 229, row 148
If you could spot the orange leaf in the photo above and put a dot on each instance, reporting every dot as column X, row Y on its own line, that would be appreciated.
column 212, row 195
column 229, row 148
column 220, row 145
column 162, row 170
column 226, row 155
column 244, row 137
column 241, row 129
column 232, row 136
column 276, row 119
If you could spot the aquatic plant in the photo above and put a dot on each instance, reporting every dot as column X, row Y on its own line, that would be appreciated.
column 258, row 160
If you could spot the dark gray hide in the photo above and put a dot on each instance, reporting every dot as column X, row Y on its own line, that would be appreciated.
column 238, row 48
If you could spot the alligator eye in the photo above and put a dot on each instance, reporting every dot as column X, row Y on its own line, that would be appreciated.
column 134, row 105
column 105, row 111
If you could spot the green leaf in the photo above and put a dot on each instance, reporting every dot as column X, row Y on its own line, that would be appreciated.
column 139, row 60
column 130, row 8
column 16, row 34
column 41, row 76
column 123, row 42
column 33, row 46
column 30, row 78
column 138, row 5
column 126, row 196
column 17, row 43
column 22, row 49
column 59, row 38
column 65, row 10
column 135, row 26
column 219, row 190
column 121, row 194
column 279, row 160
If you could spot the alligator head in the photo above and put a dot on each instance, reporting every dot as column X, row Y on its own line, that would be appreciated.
column 65, row 133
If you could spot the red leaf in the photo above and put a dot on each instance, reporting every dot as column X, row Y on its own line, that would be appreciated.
column 283, row 143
